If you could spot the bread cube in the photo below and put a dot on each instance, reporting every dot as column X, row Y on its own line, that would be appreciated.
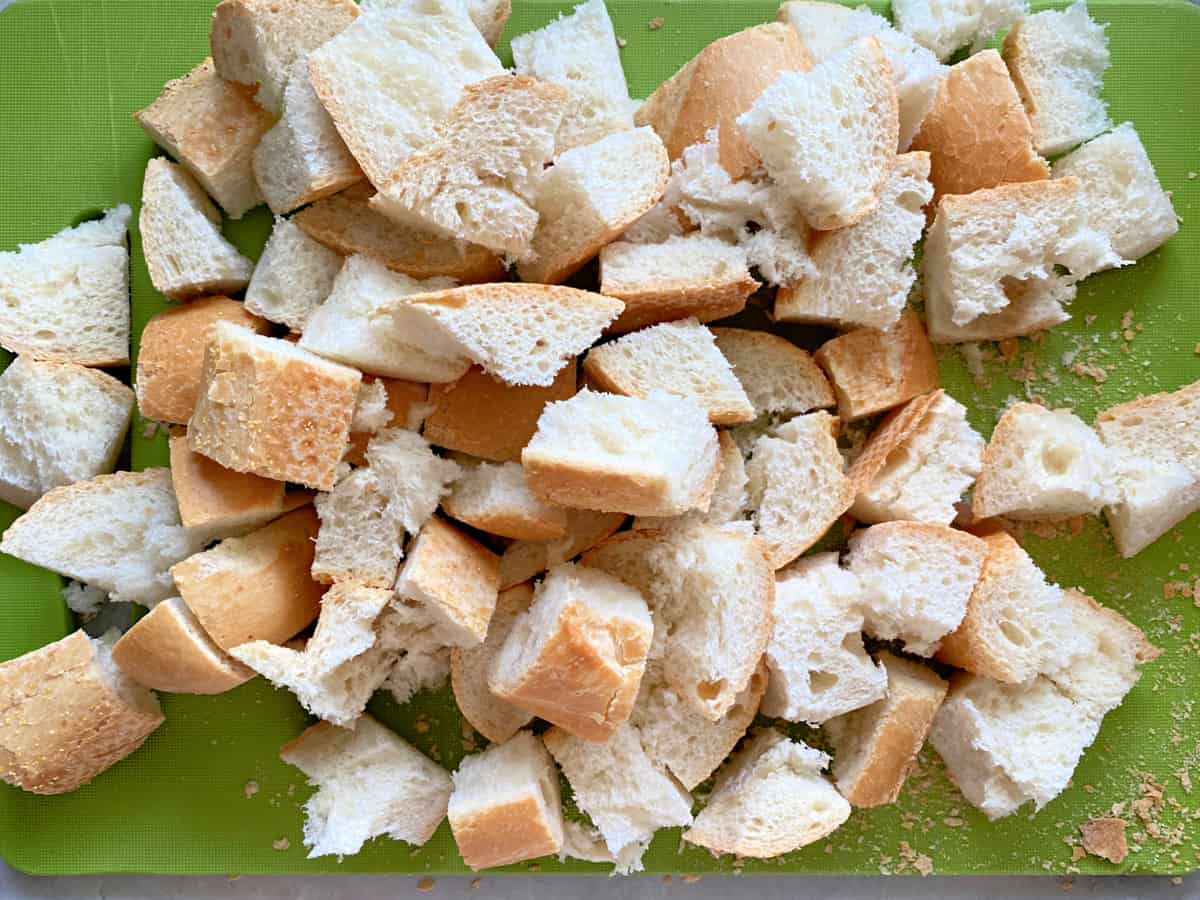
column 293, row 276
column 523, row 560
column 215, row 498
column 779, row 378
column 497, row 499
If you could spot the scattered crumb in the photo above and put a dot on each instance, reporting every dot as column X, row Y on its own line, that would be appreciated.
column 1066, row 884
column 954, row 821
column 690, row 879
column 281, row 844
column 250, row 789
column 1077, row 853
column 1191, row 176
column 1198, row 349
column 666, row 879
column 655, row 23
column 1105, row 838
column 1009, row 348
column 918, row 861
column 425, row 885
column 1177, row 881
column 621, row 42
column 1089, row 370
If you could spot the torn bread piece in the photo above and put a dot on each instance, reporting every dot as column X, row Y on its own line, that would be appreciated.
column 69, row 714
column 293, row 276
column 219, row 500
column 577, row 656
column 729, row 497
column 370, row 782
column 186, row 116
column 779, row 378
column 181, row 237
column 818, row 666
column 769, row 799
column 66, row 299
column 421, row 658
column 496, row 498
column 405, row 405
column 945, row 26
column 876, row 746
column 523, row 560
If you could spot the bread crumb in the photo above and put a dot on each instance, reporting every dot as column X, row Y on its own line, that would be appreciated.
column 1177, row 881
column 1105, row 837
column 281, row 844
column 1088, row 370
column 954, row 822
column 425, row 885
column 1191, row 176
column 690, row 879
column 655, row 23
column 250, row 789
column 475, row 883
column 1066, row 884
column 1008, row 348
column 621, row 42
column 1077, row 853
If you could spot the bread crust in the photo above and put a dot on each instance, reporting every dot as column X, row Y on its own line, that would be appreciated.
column 504, row 833
column 896, row 428
column 212, row 496
column 667, row 301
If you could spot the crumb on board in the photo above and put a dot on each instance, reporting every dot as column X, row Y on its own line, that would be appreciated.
column 250, row 789
column 475, row 882
column 1105, row 837
column 655, row 23
column 690, row 879
column 621, row 42
column 281, row 844
column 425, row 885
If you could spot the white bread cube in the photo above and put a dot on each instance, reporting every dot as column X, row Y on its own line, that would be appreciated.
column 292, row 278
column 797, row 485
column 421, row 659
column 69, row 714
column 476, row 178
column 945, row 26
column 864, row 272
column 779, row 377
column 257, row 42
column 769, row 799
column 496, row 498
column 729, row 497
column 1007, row 744
column 877, row 745
column 505, row 806
column 393, row 73
column 818, row 667
column 119, row 532
column 1057, row 59
column 211, row 126
column 271, row 408
column 699, row 276
column 59, row 423
column 413, row 477
column 917, row 463
column 589, row 197
column 302, row 158
column 66, row 299
column 370, row 782
column 652, row 456
column 1119, row 193
column 1043, row 464
column 358, row 539
column 676, row 357
column 523, row 560
column 577, row 656
column 832, row 166
column 917, row 580
column 579, row 52
column 626, row 796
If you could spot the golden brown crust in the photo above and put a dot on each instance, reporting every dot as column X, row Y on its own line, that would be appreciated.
column 212, row 496
column 896, row 428
column 669, row 301
column 505, row 833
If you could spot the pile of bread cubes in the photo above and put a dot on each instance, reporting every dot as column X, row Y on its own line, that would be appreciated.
column 589, row 510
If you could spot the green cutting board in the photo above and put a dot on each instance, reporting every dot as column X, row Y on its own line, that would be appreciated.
column 73, row 72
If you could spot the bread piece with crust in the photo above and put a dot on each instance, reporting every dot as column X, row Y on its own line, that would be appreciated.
column 293, row 276
column 729, row 497
column 779, row 377
column 217, row 499
column 496, row 498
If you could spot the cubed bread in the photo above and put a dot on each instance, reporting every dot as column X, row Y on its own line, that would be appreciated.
column 392, row 74
column 976, row 130
column 828, row 137
column 917, row 580
column 676, row 357
column 211, row 126
column 370, row 783
column 945, row 27
column 302, row 158
column 216, row 499
column 818, row 666
column 414, row 477
column 256, row 42
column 1057, row 59
column 779, row 378
column 769, row 799
column 119, row 533
column 455, row 578
column 718, row 85
column 495, row 497
column 652, row 456
column 346, row 223
column 69, row 714
column 1006, row 744
column 683, row 276
column 271, row 408
column 864, row 272
column 577, row 656
column 505, row 806
column 523, row 560
column 589, row 197
column 729, row 497
column 293, row 276
column 917, row 463
column 626, row 796
column 169, row 650
column 406, row 404
column 181, row 237
column 421, row 657
column 476, row 179
column 496, row 719
column 1043, row 464
column 59, row 423
column 797, row 485
column 66, row 299
column 876, row 746
column 255, row 587
column 873, row 370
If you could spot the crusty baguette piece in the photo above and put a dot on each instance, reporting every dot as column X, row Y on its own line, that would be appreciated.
column 718, row 85
column 68, row 714
column 66, row 299
column 577, row 656
column 523, row 560
column 185, row 117
column 496, row 498
column 873, row 370
column 976, row 130
column 170, row 359
column 255, row 587
column 270, row 408
column 769, row 799
column 876, row 746
column 220, row 500
column 505, row 806
column 169, row 650
column 729, row 497
column 293, row 276
column 945, row 27
column 346, row 223
column 59, row 423
column 779, row 377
